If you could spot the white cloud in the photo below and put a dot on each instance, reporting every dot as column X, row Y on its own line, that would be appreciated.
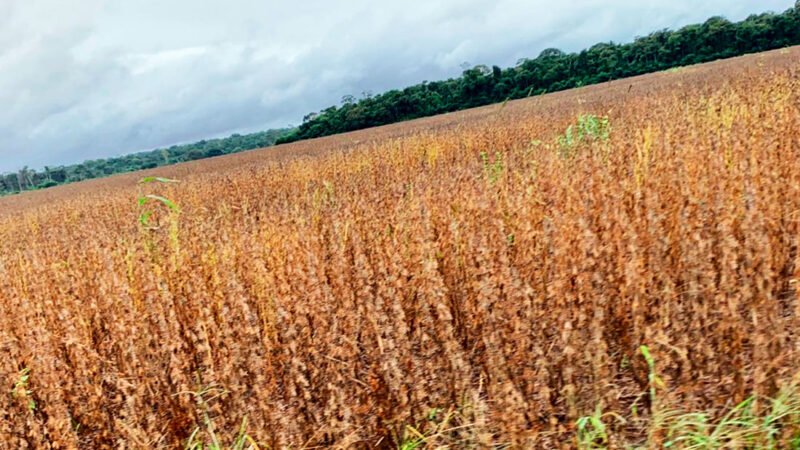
column 97, row 78
column 142, row 63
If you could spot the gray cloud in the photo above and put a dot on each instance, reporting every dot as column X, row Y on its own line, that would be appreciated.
column 96, row 78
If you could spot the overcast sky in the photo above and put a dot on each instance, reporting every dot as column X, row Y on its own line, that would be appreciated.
column 83, row 79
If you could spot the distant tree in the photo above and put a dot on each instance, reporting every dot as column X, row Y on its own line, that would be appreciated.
column 46, row 184
column 26, row 178
column 550, row 53
column 194, row 154
column 214, row 152
column 497, row 73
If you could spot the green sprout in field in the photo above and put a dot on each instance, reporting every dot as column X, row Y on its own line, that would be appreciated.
column 207, row 437
column 21, row 391
column 493, row 169
column 744, row 426
column 145, row 199
column 592, row 430
column 588, row 128
column 145, row 202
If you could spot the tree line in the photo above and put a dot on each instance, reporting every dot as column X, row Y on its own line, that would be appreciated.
column 554, row 70
column 29, row 179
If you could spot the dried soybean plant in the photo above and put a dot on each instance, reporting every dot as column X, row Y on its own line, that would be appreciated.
column 484, row 279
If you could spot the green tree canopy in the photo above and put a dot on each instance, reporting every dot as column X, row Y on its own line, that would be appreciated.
column 555, row 70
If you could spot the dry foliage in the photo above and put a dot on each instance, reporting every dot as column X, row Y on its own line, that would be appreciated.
column 460, row 280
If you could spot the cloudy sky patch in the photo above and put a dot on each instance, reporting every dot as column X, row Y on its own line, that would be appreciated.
column 95, row 78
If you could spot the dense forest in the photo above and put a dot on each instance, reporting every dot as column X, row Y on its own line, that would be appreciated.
column 28, row 179
column 554, row 70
